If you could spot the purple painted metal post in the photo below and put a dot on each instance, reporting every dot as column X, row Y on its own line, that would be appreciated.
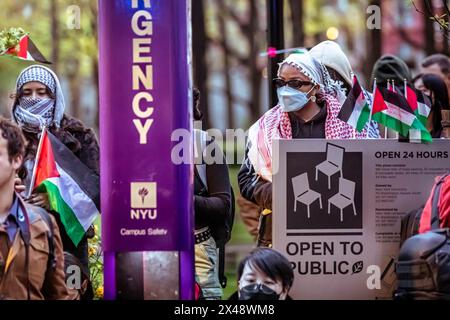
column 145, row 93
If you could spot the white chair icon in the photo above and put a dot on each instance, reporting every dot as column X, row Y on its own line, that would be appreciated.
column 303, row 194
column 344, row 198
column 333, row 164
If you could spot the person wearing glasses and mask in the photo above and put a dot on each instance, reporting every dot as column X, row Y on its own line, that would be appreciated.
column 308, row 106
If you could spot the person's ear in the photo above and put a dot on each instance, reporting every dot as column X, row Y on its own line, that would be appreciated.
column 315, row 89
column 17, row 162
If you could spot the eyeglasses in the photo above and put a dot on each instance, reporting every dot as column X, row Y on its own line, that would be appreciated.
column 296, row 84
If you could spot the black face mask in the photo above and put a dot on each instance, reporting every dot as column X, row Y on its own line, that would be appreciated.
column 257, row 292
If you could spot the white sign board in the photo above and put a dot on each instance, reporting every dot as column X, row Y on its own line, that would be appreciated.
column 337, row 207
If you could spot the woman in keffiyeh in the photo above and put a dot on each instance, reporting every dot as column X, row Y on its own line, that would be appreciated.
column 39, row 102
column 308, row 108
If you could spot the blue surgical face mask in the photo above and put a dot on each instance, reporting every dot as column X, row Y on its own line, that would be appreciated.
column 291, row 99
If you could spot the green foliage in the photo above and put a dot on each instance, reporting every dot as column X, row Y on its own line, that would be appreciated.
column 76, row 49
column 96, row 264
column 10, row 38
column 231, row 284
column 32, row 16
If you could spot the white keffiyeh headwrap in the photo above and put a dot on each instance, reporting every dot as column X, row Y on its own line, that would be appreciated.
column 316, row 72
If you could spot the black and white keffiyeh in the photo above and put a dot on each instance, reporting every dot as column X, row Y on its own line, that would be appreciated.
column 33, row 114
column 39, row 74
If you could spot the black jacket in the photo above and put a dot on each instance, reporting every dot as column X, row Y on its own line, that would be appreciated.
column 214, row 203
column 258, row 190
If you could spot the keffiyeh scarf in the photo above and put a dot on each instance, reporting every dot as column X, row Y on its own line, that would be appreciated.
column 32, row 114
column 275, row 124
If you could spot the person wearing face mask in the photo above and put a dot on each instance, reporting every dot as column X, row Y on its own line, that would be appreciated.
column 435, row 88
column 308, row 108
column 39, row 102
column 265, row 274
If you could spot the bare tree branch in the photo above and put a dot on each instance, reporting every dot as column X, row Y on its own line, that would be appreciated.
column 439, row 20
column 414, row 4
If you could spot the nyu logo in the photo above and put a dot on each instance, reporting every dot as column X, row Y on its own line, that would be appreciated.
column 143, row 201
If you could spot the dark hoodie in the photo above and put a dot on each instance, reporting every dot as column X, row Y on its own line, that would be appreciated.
column 390, row 67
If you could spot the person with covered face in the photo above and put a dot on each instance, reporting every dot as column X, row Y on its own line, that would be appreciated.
column 39, row 102
column 265, row 274
column 308, row 107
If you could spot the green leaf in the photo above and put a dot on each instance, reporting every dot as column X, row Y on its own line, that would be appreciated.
column 10, row 38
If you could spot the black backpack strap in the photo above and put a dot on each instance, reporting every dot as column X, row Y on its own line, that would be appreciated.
column 222, row 277
column 265, row 231
column 198, row 180
column 435, row 221
column 410, row 224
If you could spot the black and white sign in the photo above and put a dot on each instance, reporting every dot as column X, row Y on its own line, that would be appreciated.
column 337, row 210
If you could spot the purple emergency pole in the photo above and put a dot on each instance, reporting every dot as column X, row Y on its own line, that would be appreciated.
column 275, row 39
column 147, row 202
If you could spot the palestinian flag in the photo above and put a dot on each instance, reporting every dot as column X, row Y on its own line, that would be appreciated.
column 419, row 103
column 390, row 86
column 378, row 106
column 399, row 116
column 73, row 189
column 355, row 110
column 26, row 50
